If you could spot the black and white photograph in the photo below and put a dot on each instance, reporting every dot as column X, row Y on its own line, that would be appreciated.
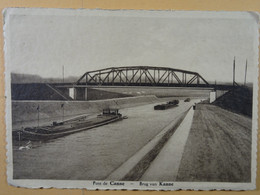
column 127, row 99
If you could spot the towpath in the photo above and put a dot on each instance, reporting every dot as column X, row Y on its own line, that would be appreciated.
column 218, row 147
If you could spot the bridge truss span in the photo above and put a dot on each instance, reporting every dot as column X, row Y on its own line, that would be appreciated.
column 142, row 76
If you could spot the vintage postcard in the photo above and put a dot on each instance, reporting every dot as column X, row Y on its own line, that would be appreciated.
column 127, row 99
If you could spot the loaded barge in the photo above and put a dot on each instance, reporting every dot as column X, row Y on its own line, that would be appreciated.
column 60, row 129
column 168, row 105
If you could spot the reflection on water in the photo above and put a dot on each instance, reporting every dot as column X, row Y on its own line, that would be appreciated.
column 95, row 153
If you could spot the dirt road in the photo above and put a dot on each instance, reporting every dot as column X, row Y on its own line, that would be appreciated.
column 218, row 147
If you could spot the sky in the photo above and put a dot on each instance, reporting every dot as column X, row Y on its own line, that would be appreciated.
column 42, row 41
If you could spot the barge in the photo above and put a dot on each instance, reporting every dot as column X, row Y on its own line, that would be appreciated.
column 168, row 105
column 60, row 129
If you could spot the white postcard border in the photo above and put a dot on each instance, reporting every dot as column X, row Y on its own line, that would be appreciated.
column 118, row 185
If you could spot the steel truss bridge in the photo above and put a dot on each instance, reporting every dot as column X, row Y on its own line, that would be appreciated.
column 142, row 76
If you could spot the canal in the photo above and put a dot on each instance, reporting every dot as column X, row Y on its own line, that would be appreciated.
column 95, row 153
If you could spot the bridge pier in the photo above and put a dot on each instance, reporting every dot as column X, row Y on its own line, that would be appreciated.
column 80, row 93
column 212, row 96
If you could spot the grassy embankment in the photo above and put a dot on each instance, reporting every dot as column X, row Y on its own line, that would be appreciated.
column 238, row 100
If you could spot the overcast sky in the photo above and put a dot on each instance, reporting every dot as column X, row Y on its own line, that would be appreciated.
column 41, row 41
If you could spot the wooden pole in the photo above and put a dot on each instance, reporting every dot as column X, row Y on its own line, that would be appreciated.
column 62, row 106
column 19, row 133
column 245, row 73
column 63, row 74
column 38, row 111
column 234, row 71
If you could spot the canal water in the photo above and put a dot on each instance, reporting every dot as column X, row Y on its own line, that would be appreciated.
column 95, row 153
